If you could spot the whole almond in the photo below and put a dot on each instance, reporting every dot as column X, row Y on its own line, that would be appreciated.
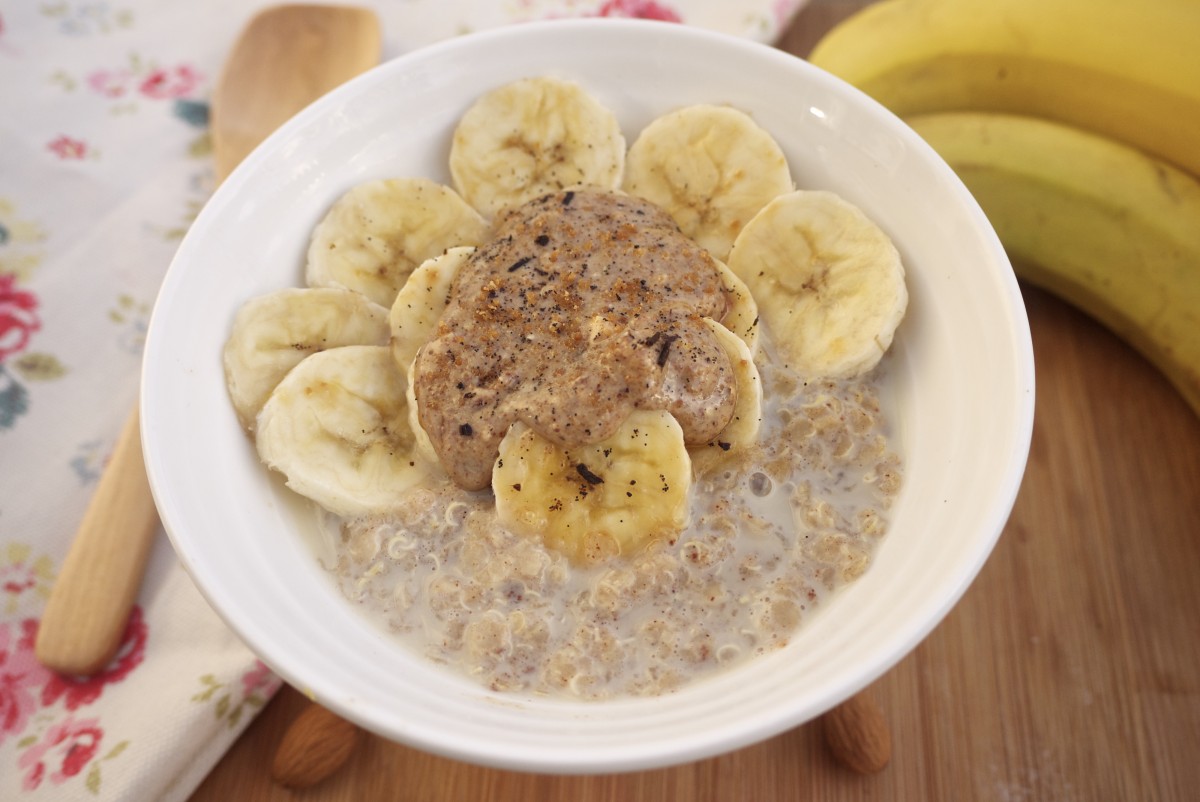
column 315, row 746
column 858, row 735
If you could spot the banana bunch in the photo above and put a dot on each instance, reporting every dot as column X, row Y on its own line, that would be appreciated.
column 1094, row 221
column 1076, row 125
column 1128, row 70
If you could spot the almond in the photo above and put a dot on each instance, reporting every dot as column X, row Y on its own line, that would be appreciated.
column 315, row 746
column 858, row 735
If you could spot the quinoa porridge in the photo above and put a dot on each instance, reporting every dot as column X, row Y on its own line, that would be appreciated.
column 772, row 535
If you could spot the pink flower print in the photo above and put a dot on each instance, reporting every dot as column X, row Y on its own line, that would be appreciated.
column 18, row 318
column 20, row 575
column 66, row 148
column 84, row 690
column 110, row 83
column 259, row 678
column 15, row 584
column 642, row 9
column 65, row 749
column 20, row 677
column 783, row 11
column 173, row 82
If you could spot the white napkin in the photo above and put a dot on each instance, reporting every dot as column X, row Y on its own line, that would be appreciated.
column 104, row 161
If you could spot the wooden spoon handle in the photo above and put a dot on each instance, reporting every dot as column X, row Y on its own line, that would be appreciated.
column 89, row 604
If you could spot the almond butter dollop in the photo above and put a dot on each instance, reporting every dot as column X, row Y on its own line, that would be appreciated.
column 584, row 306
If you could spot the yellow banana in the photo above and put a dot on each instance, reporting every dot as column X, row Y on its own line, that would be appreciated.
column 1127, row 70
column 1098, row 223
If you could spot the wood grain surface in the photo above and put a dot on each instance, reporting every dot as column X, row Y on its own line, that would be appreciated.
column 1070, row 670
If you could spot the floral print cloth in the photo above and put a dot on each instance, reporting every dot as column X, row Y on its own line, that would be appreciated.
column 104, row 161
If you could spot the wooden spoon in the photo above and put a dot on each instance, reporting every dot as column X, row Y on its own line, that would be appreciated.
column 286, row 57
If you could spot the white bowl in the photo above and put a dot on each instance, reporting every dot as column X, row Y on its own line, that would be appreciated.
column 961, row 385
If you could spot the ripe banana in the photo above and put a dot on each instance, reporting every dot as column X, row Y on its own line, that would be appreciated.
column 379, row 231
column 596, row 501
column 829, row 282
column 534, row 136
column 711, row 168
column 1127, row 70
column 1098, row 223
column 273, row 332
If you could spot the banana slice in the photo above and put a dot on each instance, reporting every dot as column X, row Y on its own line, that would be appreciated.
column 273, row 332
column 377, row 233
column 414, row 318
column 531, row 137
column 415, row 313
column 711, row 167
column 742, row 315
column 741, row 433
column 828, row 281
column 421, row 442
column 600, row 500
column 337, row 428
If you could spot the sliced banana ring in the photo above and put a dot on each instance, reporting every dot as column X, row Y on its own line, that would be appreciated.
column 597, row 501
column 711, row 168
column 742, row 315
column 273, row 332
column 741, row 433
column 414, row 318
column 378, row 232
column 337, row 428
column 421, row 441
column 422, row 300
column 534, row 136
column 828, row 281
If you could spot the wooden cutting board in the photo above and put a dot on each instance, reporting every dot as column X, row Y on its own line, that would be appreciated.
column 1070, row 670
